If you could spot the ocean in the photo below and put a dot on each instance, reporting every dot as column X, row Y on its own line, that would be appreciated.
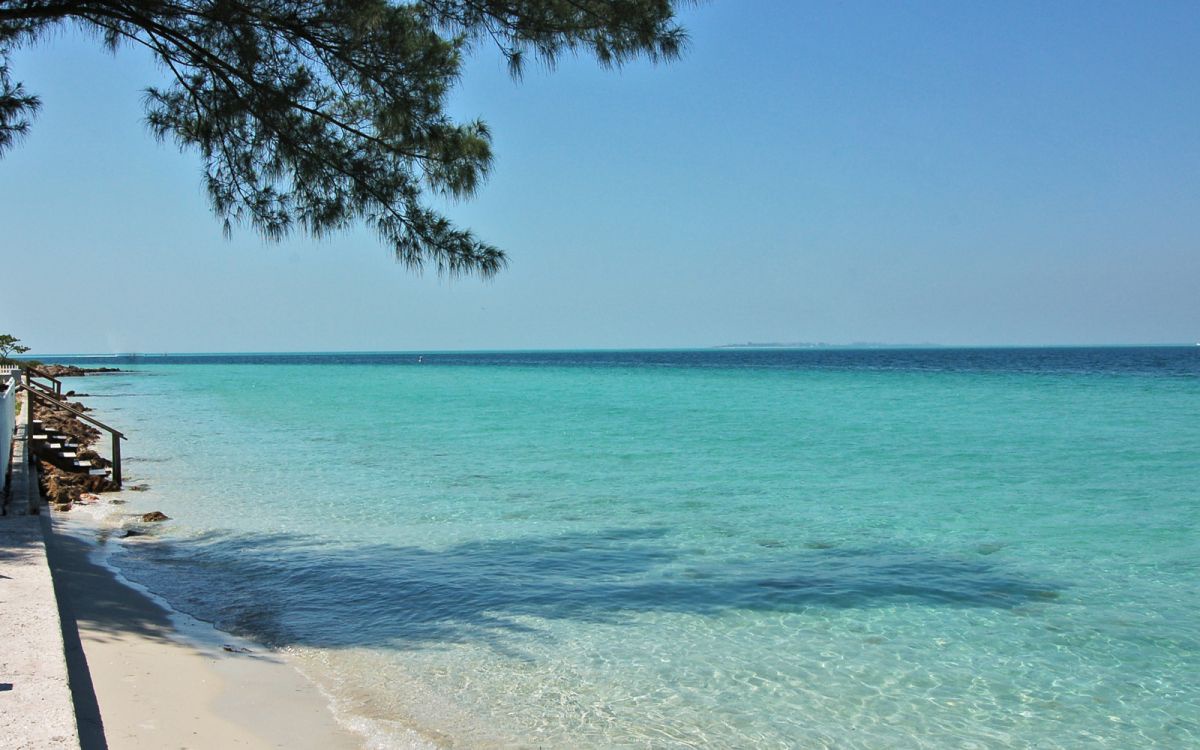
column 842, row 548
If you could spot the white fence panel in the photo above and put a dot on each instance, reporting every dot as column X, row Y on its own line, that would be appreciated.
column 8, row 420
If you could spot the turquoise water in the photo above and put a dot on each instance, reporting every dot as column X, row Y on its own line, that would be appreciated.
column 780, row 549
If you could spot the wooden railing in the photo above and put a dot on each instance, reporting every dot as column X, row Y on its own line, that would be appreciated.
column 31, row 372
column 40, row 392
column 44, row 389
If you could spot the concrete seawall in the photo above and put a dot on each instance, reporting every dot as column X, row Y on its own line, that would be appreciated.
column 36, row 705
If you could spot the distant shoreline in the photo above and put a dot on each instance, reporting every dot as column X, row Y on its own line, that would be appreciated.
column 824, row 345
column 51, row 357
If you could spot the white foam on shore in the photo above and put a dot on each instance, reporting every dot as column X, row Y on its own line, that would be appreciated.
column 377, row 734
column 376, row 698
column 108, row 517
column 382, row 735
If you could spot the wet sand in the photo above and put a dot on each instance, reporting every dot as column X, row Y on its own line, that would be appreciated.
column 150, row 684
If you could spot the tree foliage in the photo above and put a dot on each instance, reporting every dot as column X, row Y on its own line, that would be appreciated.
column 10, row 345
column 318, row 114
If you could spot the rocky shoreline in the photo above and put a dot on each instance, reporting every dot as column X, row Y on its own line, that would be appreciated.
column 72, row 371
column 63, row 488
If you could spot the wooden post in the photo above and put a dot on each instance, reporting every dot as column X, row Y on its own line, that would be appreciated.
column 116, row 453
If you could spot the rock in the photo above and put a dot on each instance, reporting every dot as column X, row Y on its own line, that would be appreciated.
column 59, row 371
column 155, row 516
column 100, row 484
column 71, row 371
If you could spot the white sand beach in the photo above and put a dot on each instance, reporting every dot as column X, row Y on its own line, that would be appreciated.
column 159, row 680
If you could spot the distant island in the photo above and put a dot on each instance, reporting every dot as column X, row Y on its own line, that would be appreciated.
column 824, row 345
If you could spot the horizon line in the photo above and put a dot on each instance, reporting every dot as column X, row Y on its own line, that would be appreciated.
column 712, row 347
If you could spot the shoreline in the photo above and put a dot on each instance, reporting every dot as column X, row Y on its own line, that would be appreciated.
column 160, row 678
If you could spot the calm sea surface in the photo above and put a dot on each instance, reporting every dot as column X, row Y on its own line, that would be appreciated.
column 717, row 549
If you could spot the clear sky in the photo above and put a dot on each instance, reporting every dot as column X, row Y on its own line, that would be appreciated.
column 946, row 172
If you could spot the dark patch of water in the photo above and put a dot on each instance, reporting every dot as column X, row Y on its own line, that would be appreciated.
column 289, row 590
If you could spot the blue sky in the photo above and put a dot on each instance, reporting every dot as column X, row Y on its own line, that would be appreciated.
column 956, row 173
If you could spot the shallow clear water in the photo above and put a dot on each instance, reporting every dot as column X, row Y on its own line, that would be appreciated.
column 975, row 548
